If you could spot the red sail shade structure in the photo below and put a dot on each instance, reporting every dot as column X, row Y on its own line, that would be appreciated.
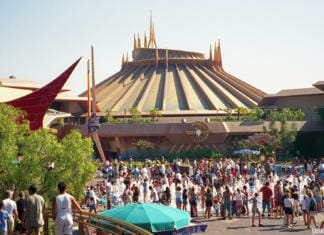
column 37, row 103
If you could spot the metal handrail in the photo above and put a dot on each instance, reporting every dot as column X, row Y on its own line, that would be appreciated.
column 116, row 225
column 102, row 224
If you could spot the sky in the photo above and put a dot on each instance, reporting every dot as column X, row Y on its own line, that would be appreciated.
column 272, row 45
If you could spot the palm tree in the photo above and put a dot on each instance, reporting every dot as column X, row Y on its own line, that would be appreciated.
column 110, row 117
column 155, row 113
column 241, row 111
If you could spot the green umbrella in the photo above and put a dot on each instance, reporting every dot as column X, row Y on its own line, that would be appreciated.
column 152, row 217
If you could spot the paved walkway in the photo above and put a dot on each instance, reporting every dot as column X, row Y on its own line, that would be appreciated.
column 242, row 226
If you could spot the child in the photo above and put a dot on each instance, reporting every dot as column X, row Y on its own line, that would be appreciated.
column 216, row 206
column 255, row 209
column 304, row 209
column 3, row 219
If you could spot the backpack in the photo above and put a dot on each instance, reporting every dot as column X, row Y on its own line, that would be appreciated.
column 312, row 206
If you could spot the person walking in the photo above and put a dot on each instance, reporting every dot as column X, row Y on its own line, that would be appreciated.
column 35, row 211
column 311, row 209
column 184, row 199
column 178, row 195
column 209, row 202
column 10, row 206
column 266, row 198
column 193, row 202
column 288, row 207
column 255, row 209
column 21, row 209
column 3, row 220
column 227, row 202
column 92, row 200
column 62, row 210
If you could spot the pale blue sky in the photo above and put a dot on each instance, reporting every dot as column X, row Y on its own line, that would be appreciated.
column 273, row 45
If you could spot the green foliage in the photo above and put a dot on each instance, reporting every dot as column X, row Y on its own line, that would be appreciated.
column 229, row 115
column 60, row 121
column 237, row 143
column 193, row 155
column 131, row 120
column 109, row 117
column 286, row 135
column 287, row 115
column 143, row 146
column 241, row 112
column 217, row 155
column 264, row 142
column 135, row 114
column 71, row 157
column 154, row 113
column 255, row 114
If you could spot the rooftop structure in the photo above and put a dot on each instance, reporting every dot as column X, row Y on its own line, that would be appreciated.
column 35, row 99
column 176, row 82
column 307, row 99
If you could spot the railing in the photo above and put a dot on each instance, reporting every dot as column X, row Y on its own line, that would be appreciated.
column 100, row 225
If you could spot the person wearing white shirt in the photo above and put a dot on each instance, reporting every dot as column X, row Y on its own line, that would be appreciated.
column 62, row 211
column 92, row 200
column 238, row 202
column 288, row 206
column 144, row 171
column 304, row 208
column 154, row 195
column 10, row 206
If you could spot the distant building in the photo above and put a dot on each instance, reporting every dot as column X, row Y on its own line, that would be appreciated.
column 43, row 104
column 188, row 89
column 310, row 100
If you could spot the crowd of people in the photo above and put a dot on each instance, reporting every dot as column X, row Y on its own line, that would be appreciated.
column 222, row 188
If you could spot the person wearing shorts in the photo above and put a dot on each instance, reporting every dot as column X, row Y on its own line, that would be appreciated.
column 227, row 202
column 311, row 209
column 193, row 202
column 209, row 202
column 184, row 199
column 266, row 198
column 288, row 208
column 238, row 202
column 62, row 211
column 178, row 197
column 255, row 209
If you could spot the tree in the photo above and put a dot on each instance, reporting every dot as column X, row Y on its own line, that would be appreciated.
column 229, row 116
column 255, row 114
column 285, row 134
column 287, row 115
column 109, row 116
column 237, row 143
column 262, row 141
column 155, row 113
column 241, row 111
column 135, row 114
column 46, row 161
column 60, row 121
column 142, row 145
